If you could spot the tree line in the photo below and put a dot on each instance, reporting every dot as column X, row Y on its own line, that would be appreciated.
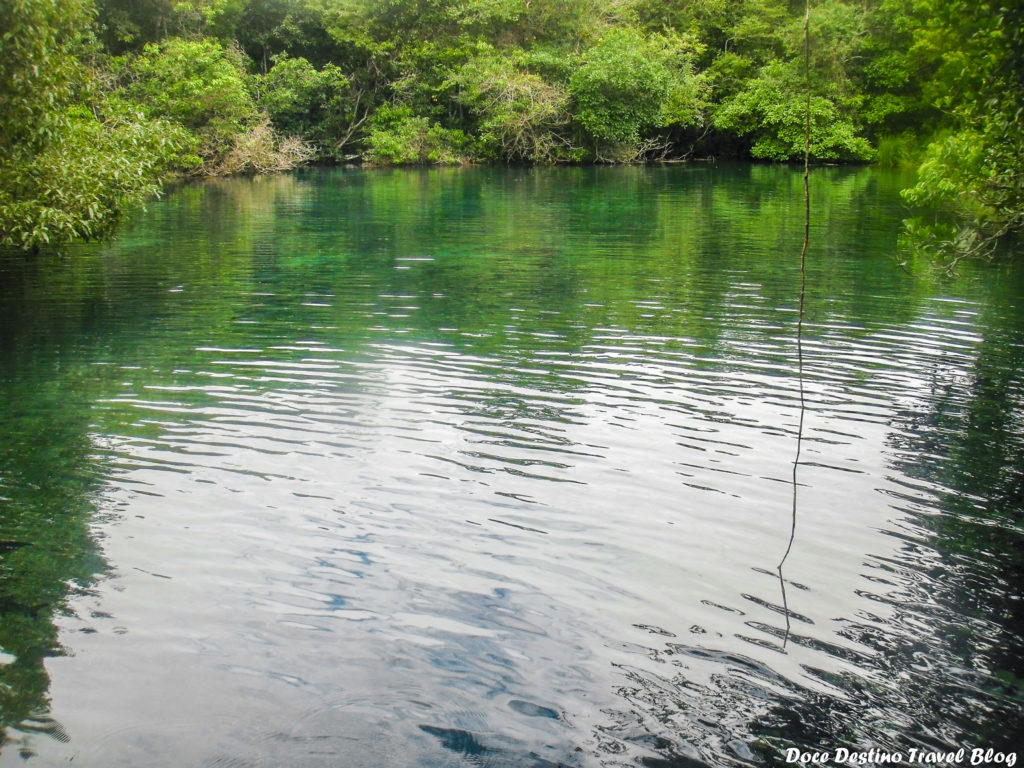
column 102, row 100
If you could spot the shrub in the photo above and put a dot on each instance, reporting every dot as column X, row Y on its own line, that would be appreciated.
column 772, row 109
column 260, row 150
column 897, row 151
column 102, row 161
column 398, row 137
column 628, row 86
column 313, row 104
column 198, row 84
column 519, row 116
column 618, row 89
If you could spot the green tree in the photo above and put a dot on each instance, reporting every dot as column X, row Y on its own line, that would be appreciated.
column 567, row 24
column 626, row 86
column 973, row 176
column 38, row 70
column 772, row 109
column 71, row 158
column 314, row 104
column 102, row 161
column 520, row 117
column 400, row 137
column 269, row 29
column 198, row 84
column 128, row 25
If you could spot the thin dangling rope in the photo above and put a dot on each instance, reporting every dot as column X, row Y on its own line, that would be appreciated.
column 800, row 314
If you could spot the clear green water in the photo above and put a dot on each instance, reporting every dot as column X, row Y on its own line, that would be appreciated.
column 492, row 467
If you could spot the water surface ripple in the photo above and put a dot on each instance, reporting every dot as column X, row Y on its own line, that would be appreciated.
column 480, row 467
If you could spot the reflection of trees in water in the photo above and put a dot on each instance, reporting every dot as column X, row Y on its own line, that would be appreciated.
column 46, row 549
column 533, row 285
column 46, row 488
column 942, row 657
column 58, row 318
column 970, row 443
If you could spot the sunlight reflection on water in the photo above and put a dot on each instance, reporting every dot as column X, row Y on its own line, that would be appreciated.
column 520, row 502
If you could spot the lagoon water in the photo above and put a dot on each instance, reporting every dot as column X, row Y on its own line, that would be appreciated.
column 492, row 467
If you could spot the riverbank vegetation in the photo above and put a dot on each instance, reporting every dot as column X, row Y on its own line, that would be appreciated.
column 101, row 100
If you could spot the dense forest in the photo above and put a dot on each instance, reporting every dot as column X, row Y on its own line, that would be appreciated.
column 103, row 100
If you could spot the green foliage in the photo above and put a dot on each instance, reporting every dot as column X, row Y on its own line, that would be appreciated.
column 71, row 159
column 398, row 137
column 772, row 110
column 628, row 84
column 80, row 182
column 542, row 81
column 198, row 84
column 38, row 70
column 313, row 104
column 729, row 73
column 427, row 78
column 128, row 25
column 268, row 29
column 619, row 88
column 751, row 29
column 975, row 168
column 391, row 23
column 519, row 116
column 973, row 178
column 526, row 23
column 770, row 106
column 897, row 151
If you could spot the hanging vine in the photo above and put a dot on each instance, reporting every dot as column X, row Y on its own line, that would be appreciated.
column 800, row 312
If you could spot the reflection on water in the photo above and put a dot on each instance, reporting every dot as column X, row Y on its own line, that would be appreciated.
column 485, row 467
